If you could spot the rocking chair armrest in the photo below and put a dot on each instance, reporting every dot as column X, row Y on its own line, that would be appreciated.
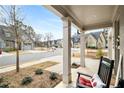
column 79, row 73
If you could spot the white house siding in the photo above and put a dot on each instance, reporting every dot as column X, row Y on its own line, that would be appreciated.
column 101, row 42
column 91, row 41
column 99, row 45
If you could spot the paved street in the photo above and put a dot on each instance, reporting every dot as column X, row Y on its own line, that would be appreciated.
column 34, row 56
column 9, row 59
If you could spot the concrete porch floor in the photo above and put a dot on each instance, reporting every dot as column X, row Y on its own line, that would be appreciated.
column 91, row 67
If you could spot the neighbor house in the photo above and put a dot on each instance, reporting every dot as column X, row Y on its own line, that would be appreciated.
column 96, row 40
column 53, row 43
column 75, row 40
column 27, row 43
column 59, row 43
column 7, row 38
column 27, row 38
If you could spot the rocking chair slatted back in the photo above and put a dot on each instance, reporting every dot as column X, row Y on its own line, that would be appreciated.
column 105, row 70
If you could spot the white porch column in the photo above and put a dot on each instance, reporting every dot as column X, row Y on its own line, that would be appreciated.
column 113, row 44
column 66, row 50
column 110, row 43
column 122, row 38
column 82, row 49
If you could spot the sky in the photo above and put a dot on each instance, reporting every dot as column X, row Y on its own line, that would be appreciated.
column 43, row 21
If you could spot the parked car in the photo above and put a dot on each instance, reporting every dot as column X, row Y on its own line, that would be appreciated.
column 53, row 48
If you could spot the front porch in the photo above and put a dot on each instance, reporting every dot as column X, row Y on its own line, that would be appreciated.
column 86, row 18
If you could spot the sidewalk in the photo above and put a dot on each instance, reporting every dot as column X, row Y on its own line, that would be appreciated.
column 90, row 63
column 21, row 52
column 12, row 67
column 5, row 54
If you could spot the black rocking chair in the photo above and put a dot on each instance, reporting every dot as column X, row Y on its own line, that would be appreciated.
column 104, row 72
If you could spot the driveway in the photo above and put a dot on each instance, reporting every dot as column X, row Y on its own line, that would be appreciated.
column 34, row 56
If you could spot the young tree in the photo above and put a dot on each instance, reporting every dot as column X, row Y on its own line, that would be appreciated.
column 38, row 39
column 12, row 18
column 48, row 37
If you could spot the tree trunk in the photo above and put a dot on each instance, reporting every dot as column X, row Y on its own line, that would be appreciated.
column 17, row 38
column 17, row 56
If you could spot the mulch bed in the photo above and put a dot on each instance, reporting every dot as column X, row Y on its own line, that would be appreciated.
column 39, row 81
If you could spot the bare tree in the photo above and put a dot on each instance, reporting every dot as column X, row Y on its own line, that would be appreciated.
column 11, row 17
column 38, row 39
column 48, row 37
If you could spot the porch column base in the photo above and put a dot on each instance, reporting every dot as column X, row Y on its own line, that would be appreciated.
column 67, row 79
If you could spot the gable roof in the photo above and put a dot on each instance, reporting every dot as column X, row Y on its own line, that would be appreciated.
column 96, row 35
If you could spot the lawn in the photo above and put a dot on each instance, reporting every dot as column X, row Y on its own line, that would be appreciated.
column 89, row 54
column 43, row 49
column 14, row 79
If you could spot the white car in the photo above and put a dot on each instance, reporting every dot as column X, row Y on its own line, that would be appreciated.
column 53, row 48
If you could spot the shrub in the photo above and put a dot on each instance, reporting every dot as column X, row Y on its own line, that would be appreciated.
column 99, row 53
column 4, row 85
column 74, row 65
column 39, row 72
column 8, row 49
column 53, row 76
column 92, row 47
column 26, row 80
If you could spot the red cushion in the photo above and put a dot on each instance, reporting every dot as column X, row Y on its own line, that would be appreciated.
column 85, row 82
column 84, row 79
column 88, row 84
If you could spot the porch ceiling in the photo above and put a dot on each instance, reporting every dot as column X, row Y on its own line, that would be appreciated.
column 88, row 16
